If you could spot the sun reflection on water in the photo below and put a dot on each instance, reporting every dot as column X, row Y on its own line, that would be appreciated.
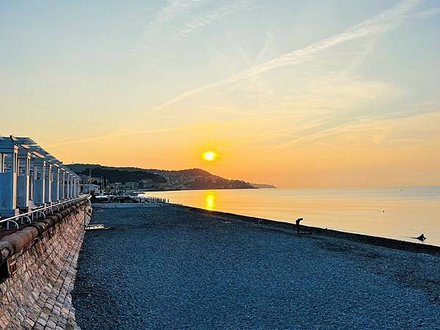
column 210, row 200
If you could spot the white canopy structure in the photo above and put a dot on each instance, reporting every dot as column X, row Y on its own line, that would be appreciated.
column 31, row 177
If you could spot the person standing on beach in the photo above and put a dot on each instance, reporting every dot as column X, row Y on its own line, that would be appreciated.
column 297, row 224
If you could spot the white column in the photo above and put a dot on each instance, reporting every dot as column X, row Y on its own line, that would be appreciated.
column 8, row 178
column 62, row 184
column 75, row 180
column 68, row 175
column 39, row 181
column 31, row 179
column 23, row 179
column 55, row 183
column 78, row 186
column 48, row 190
column 72, row 186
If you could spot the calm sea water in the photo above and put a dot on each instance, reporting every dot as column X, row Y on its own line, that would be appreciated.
column 392, row 212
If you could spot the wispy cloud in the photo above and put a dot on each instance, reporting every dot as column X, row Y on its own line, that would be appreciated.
column 119, row 134
column 212, row 17
column 325, row 127
column 374, row 26
column 173, row 10
column 267, row 44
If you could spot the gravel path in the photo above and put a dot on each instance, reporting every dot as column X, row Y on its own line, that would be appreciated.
column 170, row 267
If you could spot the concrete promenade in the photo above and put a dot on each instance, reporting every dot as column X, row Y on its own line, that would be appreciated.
column 172, row 267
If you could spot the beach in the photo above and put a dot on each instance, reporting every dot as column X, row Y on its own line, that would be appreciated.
column 179, row 267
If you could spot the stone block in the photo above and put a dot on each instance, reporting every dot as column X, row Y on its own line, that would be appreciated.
column 38, row 326
column 50, row 325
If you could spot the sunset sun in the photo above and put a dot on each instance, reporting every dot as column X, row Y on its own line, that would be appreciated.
column 209, row 155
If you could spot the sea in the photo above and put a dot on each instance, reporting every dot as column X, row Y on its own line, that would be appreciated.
column 399, row 213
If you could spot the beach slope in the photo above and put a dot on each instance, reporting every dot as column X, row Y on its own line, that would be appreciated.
column 175, row 267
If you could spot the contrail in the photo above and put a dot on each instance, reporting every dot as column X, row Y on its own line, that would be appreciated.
column 171, row 11
column 117, row 134
column 213, row 17
column 379, row 24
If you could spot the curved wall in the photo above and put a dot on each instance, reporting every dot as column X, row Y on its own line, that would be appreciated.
column 41, row 260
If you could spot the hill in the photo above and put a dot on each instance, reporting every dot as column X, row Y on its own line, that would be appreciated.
column 155, row 179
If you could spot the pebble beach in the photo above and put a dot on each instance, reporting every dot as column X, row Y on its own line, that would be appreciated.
column 180, row 268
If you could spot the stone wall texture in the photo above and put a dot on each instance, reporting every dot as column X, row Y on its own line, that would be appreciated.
column 42, row 259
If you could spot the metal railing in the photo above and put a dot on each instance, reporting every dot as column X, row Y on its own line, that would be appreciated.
column 40, row 212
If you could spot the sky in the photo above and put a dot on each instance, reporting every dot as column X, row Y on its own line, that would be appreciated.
column 292, row 93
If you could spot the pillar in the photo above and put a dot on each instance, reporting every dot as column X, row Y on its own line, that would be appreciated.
column 8, row 178
column 75, row 180
column 23, row 178
column 68, row 175
column 39, row 181
column 78, row 186
column 48, row 190
column 31, row 180
column 55, row 184
column 61, row 183
column 72, row 185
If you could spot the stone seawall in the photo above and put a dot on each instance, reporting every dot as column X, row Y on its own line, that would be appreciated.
column 38, row 268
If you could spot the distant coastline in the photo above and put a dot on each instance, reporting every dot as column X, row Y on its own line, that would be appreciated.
column 262, row 186
column 101, row 178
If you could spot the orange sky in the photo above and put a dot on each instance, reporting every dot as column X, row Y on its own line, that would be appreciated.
column 288, row 93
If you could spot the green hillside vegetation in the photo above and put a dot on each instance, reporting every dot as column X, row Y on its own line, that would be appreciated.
column 154, row 179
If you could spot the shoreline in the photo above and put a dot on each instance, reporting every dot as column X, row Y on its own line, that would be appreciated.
column 355, row 237
column 385, row 213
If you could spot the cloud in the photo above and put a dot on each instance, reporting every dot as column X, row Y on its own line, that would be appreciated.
column 326, row 127
column 173, row 10
column 119, row 134
column 212, row 17
column 377, row 25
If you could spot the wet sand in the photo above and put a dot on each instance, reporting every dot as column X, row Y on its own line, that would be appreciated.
column 177, row 267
